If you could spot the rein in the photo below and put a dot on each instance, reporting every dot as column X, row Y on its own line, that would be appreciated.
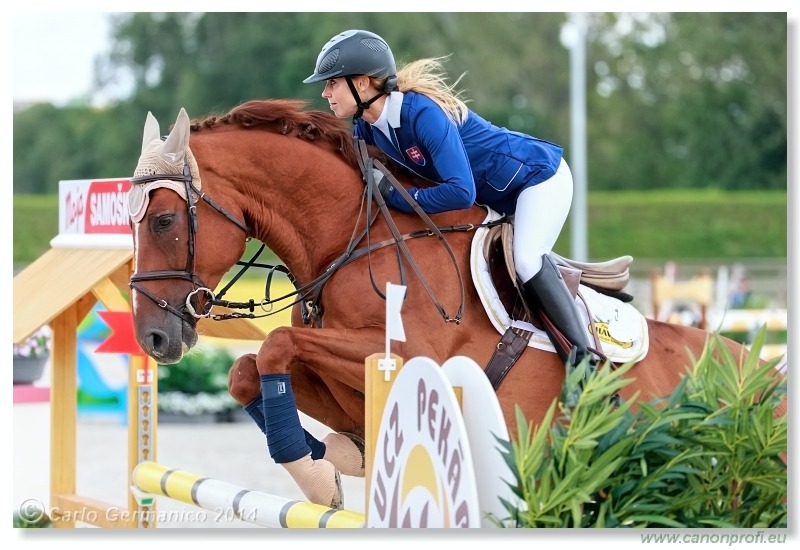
column 367, row 164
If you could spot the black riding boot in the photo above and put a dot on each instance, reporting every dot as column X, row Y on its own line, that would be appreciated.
column 548, row 291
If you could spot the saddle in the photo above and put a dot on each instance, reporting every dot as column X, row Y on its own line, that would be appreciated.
column 609, row 277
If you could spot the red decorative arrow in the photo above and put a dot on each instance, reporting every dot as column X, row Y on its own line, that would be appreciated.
column 122, row 338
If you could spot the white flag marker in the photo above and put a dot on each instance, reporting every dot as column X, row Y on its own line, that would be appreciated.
column 394, row 325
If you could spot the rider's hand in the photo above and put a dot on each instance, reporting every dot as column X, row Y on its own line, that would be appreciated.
column 385, row 187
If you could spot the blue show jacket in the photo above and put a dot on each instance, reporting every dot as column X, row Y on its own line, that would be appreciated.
column 475, row 162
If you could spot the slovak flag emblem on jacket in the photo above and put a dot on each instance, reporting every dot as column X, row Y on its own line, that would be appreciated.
column 416, row 155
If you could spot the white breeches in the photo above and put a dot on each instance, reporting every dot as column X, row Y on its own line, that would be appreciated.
column 539, row 217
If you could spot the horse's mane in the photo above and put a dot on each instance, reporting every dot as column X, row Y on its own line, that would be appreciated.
column 290, row 117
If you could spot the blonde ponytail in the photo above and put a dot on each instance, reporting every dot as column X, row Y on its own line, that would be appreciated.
column 427, row 76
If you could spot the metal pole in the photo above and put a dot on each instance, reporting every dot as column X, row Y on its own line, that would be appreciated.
column 577, row 159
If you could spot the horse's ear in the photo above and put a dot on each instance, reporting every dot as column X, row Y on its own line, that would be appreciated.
column 151, row 130
column 178, row 141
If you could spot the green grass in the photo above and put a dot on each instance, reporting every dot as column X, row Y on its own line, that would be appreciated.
column 683, row 225
column 35, row 225
column 657, row 225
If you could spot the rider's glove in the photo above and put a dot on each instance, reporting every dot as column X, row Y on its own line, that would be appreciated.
column 385, row 187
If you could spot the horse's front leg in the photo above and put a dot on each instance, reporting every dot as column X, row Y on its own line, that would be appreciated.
column 315, row 397
column 335, row 357
column 320, row 399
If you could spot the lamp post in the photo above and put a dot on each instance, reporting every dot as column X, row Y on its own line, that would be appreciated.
column 573, row 37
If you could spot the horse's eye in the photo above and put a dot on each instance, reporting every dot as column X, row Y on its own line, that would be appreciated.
column 165, row 221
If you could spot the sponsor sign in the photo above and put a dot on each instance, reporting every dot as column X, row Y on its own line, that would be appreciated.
column 93, row 214
column 423, row 473
column 485, row 424
column 94, row 206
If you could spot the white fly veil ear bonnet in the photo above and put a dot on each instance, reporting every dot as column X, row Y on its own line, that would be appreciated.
column 163, row 158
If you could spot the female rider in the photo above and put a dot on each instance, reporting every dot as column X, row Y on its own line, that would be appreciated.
column 421, row 122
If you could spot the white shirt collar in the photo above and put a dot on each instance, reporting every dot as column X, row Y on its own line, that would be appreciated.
column 390, row 115
column 392, row 108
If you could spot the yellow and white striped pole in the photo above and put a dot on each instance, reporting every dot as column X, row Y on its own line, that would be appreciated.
column 250, row 506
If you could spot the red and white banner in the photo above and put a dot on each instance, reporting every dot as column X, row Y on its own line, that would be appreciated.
column 93, row 213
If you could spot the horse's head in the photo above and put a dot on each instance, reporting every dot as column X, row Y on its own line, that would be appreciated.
column 182, row 245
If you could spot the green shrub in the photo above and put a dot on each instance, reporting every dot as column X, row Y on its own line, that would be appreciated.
column 200, row 371
column 709, row 455
column 198, row 384
column 39, row 522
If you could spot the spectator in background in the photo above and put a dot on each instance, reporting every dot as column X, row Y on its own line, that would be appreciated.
column 741, row 291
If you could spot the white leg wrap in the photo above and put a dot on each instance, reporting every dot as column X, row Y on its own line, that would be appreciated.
column 318, row 479
column 341, row 449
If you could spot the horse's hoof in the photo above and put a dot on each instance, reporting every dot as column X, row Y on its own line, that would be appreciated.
column 346, row 452
column 318, row 479
column 359, row 443
column 338, row 497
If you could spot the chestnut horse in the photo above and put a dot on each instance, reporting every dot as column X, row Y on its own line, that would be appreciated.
column 290, row 178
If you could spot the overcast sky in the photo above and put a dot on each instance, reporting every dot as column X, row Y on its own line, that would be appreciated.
column 53, row 54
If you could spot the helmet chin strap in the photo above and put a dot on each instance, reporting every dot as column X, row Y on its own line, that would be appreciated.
column 361, row 105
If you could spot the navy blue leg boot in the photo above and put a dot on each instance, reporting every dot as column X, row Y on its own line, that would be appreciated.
column 286, row 440
column 256, row 411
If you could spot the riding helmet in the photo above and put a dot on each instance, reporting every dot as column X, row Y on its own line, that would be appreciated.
column 355, row 52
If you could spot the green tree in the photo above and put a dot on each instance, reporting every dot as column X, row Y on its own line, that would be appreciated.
column 74, row 142
column 688, row 100
column 674, row 100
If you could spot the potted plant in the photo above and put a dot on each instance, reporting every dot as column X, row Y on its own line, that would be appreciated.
column 31, row 518
column 30, row 357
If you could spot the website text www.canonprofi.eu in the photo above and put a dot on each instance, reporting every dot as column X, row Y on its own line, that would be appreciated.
column 729, row 539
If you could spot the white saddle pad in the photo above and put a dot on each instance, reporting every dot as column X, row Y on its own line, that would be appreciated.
column 621, row 328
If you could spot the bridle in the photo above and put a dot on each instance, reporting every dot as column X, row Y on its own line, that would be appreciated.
column 189, row 273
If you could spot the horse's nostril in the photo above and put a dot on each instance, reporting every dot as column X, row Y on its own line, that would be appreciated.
column 157, row 341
